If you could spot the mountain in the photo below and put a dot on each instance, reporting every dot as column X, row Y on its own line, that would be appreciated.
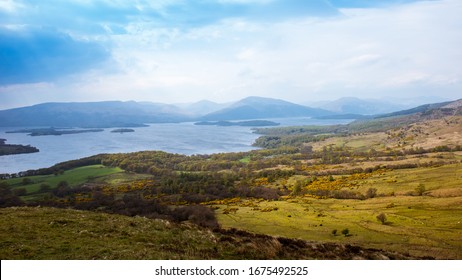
column 426, row 109
column 200, row 108
column 91, row 114
column 259, row 107
column 353, row 105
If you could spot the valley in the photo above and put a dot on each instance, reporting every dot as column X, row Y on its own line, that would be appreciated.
column 382, row 189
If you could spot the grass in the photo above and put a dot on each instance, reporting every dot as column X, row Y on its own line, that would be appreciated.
column 425, row 229
column 428, row 134
column 31, row 233
column 438, row 181
column 245, row 159
column 47, row 233
column 73, row 177
column 428, row 225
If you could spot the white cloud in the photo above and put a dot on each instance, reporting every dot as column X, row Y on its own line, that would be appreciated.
column 10, row 6
column 406, row 49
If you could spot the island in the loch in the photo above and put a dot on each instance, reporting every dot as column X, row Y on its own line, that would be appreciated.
column 122, row 130
column 53, row 131
column 240, row 123
column 8, row 149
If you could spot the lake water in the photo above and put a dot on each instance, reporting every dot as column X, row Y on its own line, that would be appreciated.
column 182, row 138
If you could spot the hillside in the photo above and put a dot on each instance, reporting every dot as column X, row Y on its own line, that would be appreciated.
column 352, row 105
column 48, row 233
column 259, row 107
column 91, row 114
column 200, row 108
column 426, row 108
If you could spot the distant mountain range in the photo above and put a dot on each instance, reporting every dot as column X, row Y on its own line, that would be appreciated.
column 201, row 108
column 132, row 114
column 91, row 114
column 260, row 107
column 356, row 106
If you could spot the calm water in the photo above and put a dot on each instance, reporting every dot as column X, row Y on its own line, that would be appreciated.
column 182, row 138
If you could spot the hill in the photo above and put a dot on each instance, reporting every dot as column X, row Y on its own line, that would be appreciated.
column 200, row 108
column 259, row 107
column 49, row 233
column 353, row 105
column 426, row 108
column 91, row 114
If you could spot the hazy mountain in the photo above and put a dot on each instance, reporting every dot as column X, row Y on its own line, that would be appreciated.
column 353, row 105
column 91, row 114
column 425, row 109
column 260, row 107
column 201, row 108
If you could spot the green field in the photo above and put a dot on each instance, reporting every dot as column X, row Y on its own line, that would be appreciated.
column 73, row 177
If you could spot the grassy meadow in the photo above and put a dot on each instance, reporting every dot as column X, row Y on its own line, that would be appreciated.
column 74, row 177
column 427, row 225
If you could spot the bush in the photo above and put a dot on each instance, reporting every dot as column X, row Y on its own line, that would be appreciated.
column 26, row 181
column 420, row 189
column 7, row 197
column 382, row 218
column 197, row 214
column 44, row 187
column 346, row 232
column 20, row 191
column 371, row 193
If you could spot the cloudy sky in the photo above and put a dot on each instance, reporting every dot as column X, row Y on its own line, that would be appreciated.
column 223, row 50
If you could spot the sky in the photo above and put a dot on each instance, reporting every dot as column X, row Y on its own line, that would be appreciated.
column 176, row 51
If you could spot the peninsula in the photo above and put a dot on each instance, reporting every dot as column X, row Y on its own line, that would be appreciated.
column 7, row 149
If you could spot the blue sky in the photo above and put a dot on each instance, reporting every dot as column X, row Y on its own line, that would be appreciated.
column 222, row 50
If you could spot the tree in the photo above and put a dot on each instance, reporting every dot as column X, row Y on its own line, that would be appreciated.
column 44, row 187
column 297, row 188
column 20, row 191
column 346, row 232
column 7, row 197
column 420, row 189
column 26, row 181
column 371, row 192
column 382, row 218
column 334, row 232
column 63, row 184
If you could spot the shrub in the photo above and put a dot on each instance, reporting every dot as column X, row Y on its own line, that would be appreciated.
column 382, row 218
column 371, row 193
column 26, row 181
column 197, row 214
column 346, row 232
column 44, row 187
column 7, row 197
column 20, row 191
column 420, row 189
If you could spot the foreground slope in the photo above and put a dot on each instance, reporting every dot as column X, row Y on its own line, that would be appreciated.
column 48, row 233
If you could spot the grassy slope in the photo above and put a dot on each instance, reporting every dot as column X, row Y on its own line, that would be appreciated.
column 47, row 233
column 74, row 177
column 426, row 225
column 418, row 225
column 427, row 134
